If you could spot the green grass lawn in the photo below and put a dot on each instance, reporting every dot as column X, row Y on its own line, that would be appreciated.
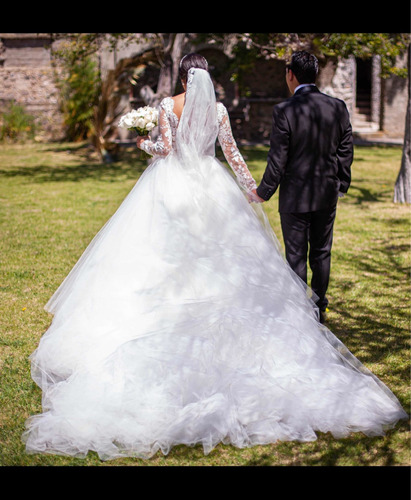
column 55, row 197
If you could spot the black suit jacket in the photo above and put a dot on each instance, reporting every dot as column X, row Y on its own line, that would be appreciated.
column 311, row 152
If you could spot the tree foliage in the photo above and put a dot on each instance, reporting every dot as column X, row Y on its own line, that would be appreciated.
column 249, row 46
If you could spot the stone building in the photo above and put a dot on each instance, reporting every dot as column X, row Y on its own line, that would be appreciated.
column 377, row 106
column 27, row 77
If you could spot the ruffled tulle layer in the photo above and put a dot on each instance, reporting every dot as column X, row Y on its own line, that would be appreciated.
column 182, row 324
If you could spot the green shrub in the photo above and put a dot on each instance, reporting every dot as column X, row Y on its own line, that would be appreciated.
column 79, row 91
column 16, row 124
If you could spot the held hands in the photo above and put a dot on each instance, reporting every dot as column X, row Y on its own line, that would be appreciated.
column 253, row 197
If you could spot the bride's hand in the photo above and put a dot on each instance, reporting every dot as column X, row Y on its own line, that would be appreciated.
column 253, row 197
column 140, row 139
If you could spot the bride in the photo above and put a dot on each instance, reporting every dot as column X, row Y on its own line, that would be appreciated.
column 182, row 323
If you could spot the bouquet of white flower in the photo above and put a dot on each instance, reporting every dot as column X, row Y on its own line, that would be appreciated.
column 141, row 120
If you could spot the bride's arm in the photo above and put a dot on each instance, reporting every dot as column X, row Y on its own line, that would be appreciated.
column 163, row 145
column 232, row 153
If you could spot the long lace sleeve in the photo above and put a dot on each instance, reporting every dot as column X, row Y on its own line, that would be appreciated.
column 163, row 145
column 231, row 151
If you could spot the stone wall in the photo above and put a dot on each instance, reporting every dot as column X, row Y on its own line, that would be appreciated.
column 394, row 103
column 389, row 96
column 337, row 78
column 26, row 77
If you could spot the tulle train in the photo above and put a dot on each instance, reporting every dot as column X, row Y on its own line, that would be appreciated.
column 182, row 324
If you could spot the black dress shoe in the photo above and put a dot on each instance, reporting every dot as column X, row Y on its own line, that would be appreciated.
column 323, row 317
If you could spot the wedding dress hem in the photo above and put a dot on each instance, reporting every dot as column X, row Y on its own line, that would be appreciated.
column 182, row 323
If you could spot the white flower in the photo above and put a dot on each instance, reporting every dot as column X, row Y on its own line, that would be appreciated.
column 129, row 121
column 141, row 120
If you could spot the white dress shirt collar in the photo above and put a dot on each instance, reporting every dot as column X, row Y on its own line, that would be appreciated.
column 304, row 85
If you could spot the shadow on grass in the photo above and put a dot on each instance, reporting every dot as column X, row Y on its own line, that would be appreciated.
column 129, row 166
column 328, row 451
column 364, row 195
column 372, row 320
column 357, row 449
column 377, row 328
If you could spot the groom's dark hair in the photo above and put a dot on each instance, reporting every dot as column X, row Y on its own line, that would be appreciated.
column 304, row 66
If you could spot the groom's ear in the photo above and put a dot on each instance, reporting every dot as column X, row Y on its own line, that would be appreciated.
column 292, row 82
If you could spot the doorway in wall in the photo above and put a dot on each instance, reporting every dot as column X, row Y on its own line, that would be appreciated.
column 363, row 90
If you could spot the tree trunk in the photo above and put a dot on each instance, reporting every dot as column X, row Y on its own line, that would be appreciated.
column 169, row 68
column 402, row 189
column 115, row 85
column 107, row 112
column 168, row 77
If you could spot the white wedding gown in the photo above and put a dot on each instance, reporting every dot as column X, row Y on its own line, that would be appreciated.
column 182, row 324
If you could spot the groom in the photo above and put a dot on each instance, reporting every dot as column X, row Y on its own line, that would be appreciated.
column 310, row 157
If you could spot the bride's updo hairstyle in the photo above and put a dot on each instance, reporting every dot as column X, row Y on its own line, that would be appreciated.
column 189, row 61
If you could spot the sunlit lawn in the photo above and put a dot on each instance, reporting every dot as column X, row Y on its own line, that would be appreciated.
column 55, row 197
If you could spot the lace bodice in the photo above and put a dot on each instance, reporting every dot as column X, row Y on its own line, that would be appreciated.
column 165, row 144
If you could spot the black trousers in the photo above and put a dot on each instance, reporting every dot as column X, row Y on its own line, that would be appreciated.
column 310, row 234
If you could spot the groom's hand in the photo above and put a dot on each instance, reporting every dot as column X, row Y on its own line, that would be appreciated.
column 253, row 197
